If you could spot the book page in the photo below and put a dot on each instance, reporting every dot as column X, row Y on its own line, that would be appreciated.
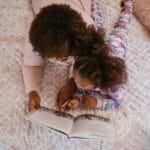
column 98, row 127
column 49, row 118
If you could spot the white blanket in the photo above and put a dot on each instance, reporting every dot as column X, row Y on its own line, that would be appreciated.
column 132, row 119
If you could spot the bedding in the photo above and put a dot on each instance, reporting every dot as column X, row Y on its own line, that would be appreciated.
column 132, row 118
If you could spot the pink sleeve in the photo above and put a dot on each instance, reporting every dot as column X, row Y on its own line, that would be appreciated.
column 115, row 98
column 31, row 67
column 30, row 57
column 32, row 77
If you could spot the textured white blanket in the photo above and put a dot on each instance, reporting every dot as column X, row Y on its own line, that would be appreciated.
column 16, row 133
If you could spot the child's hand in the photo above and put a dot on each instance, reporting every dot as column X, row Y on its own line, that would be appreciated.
column 63, row 106
column 34, row 101
column 89, row 102
column 69, row 104
column 73, row 103
column 89, row 117
column 65, row 94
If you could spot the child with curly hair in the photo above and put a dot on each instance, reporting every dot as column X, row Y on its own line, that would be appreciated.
column 97, row 79
column 59, row 29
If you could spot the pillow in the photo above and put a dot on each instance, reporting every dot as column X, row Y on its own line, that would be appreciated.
column 142, row 11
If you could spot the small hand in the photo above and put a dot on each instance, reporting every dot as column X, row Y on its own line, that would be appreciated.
column 69, row 104
column 89, row 117
column 64, row 106
column 34, row 101
column 73, row 103
column 89, row 102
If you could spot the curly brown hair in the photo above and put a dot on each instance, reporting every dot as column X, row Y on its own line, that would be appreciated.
column 59, row 31
column 52, row 29
column 103, row 71
column 90, row 43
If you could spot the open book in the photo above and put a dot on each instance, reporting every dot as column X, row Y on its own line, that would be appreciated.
column 81, row 127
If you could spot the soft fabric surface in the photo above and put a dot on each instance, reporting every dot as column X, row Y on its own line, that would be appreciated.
column 16, row 133
column 142, row 11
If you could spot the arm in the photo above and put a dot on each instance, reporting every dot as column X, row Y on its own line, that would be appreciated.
column 117, row 40
column 31, row 67
column 65, row 94
column 112, row 99
column 97, row 14
column 32, row 74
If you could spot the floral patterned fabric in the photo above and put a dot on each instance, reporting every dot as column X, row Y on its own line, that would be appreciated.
column 117, row 43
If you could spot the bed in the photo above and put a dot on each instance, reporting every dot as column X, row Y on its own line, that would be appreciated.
column 17, row 133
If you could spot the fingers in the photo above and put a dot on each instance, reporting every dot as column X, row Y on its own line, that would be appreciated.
column 74, row 103
column 86, row 98
column 59, row 113
column 89, row 117
column 69, row 104
column 34, row 101
column 65, row 103
column 30, row 108
column 62, row 107
column 37, row 106
column 89, row 102
column 31, row 105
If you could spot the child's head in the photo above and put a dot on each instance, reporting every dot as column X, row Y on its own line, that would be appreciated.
column 59, row 31
column 53, row 30
column 99, row 71
column 86, row 73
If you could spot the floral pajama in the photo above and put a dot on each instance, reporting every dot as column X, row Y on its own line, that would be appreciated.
column 117, row 43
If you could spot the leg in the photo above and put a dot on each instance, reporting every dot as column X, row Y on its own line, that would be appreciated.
column 117, row 41
column 97, row 14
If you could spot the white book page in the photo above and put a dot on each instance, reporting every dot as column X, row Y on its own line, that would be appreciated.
column 48, row 118
column 95, row 128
